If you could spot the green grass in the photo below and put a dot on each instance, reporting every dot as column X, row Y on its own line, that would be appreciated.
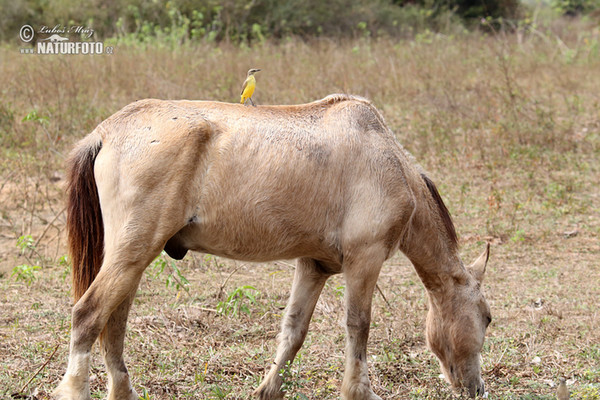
column 507, row 125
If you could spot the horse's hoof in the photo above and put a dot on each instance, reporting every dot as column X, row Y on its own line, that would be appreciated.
column 359, row 392
column 66, row 393
column 268, row 392
column 71, row 388
column 129, row 395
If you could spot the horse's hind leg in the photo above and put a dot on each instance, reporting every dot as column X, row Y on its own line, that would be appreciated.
column 308, row 284
column 360, row 272
column 111, row 345
column 118, row 278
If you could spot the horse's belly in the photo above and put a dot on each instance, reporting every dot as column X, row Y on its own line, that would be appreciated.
column 248, row 239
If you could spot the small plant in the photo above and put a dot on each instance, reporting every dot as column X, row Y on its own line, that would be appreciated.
column 588, row 392
column 174, row 277
column 64, row 262
column 339, row 291
column 518, row 236
column 35, row 117
column 201, row 376
column 25, row 243
column 218, row 393
column 291, row 379
column 238, row 301
column 25, row 273
column 145, row 395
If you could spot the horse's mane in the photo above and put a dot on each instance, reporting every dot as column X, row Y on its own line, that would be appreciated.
column 443, row 211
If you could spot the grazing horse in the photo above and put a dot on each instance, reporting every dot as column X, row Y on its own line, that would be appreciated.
column 325, row 182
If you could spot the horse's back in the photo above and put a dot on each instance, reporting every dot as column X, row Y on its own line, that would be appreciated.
column 266, row 182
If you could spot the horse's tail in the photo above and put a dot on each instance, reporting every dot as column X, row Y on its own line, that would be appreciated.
column 85, row 228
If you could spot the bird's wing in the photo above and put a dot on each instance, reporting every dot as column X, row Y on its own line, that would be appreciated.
column 244, row 87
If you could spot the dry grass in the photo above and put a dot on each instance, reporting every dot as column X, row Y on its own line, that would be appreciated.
column 509, row 127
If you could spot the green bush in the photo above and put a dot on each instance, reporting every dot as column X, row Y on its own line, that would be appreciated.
column 574, row 7
column 241, row 20
column 470, row 9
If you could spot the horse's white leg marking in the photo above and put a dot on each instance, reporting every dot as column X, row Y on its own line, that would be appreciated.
column 75, row 384
column 307, row 286
column 361, row 272
column 111, row 344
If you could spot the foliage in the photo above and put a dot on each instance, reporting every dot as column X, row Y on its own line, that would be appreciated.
column 239, row 301
column 470, row 9
column 145, row 395
column 292, row 379
column 574, row 7
column 25, row 243
column 35, row 117
column 174, row 276
column 25, row 273
column 178, row 21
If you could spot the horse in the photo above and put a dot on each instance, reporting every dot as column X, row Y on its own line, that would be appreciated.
column 325, row 183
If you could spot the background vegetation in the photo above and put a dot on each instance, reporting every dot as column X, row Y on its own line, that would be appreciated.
column 504, row 115
column 251, row 20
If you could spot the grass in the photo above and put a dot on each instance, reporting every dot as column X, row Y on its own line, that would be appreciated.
column 507, row 124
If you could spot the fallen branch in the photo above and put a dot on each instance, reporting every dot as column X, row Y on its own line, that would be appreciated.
column 40, row 369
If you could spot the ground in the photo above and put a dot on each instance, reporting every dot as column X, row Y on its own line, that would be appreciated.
column 508, row 126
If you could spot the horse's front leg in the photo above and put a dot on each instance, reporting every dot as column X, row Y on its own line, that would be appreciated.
column 308, row 284
column 361, row 274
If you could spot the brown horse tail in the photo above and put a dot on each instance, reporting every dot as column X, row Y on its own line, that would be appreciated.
column 85, row 228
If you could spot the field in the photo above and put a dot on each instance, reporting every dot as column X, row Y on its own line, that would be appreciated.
column 508, row 126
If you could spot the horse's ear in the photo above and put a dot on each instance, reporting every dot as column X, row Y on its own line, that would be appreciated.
column 477, row 269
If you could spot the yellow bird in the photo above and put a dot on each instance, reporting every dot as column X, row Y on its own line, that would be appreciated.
column 249, row 86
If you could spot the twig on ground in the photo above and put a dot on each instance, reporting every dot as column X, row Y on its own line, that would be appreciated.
column 227, row 280
column 383, row 296
column 40, row 369
column 51, row 223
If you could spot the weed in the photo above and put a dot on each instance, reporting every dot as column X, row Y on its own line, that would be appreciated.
column 339, row 291
column 65, row 263
column 518, row 236
column 25, row 243
column 588, row 392
column 239, row 301
column 35, row 117
column 292, row 379
column 174, row 276
column 145, row 395
column 218, row 393
column 25, row 273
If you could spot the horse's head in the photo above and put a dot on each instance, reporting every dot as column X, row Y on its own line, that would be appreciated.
column 456, row 323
